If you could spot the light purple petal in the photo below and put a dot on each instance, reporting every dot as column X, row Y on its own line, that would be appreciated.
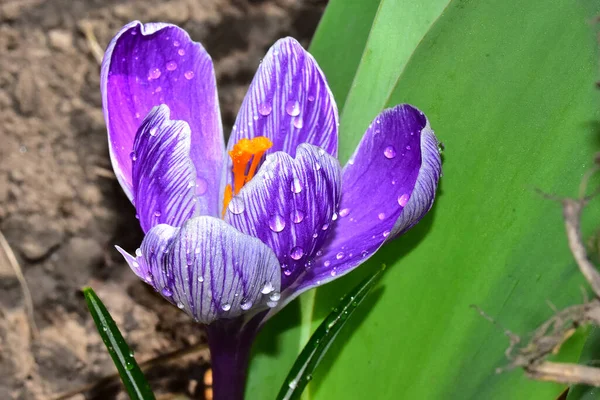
column 208, row 269
column 164, row 178
column 388, row 185
column 289, row 206
column 148, row 65
column 289, row 102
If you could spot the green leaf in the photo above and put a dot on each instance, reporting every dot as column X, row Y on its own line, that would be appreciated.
column 135, row 383
column 589, row 354
column 509, row 87
column 306, row 363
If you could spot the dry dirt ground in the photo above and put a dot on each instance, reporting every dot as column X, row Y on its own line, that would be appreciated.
column 61, row 209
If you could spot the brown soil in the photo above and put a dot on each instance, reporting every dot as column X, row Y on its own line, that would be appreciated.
column 61, row 209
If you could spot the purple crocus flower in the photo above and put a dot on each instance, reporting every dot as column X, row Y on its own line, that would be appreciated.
column 232, row 236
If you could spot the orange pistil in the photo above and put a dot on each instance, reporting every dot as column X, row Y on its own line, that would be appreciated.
column 246, row 151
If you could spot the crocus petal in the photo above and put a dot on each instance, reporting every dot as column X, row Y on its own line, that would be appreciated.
column 290, row 205
column 164, row 178
column 208, row 269
column 388, row 185
column 289, row 102
column 152, row 64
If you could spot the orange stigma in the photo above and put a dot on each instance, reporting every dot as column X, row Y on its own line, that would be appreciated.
column 246, row 155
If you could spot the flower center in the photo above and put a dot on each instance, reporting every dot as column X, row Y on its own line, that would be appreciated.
column 246, row 155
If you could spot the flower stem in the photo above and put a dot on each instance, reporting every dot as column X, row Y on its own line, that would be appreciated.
column 230, row 342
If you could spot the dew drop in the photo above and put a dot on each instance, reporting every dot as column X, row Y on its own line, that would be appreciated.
column 386, row 233
column 317, row 166
column 275, row 296
column 297, row 216
column 133, row 156
column 157, row 213
column 171, row 66
column 344, row 212
column 265, row 109
column 311, row 98
column 364, row 253
column 201, row 186
column 333, row 272
column 167, row 292
column 154, row 73
column 315, row 235
column 138, row 252
column 319, row 253
column 292, row 107
column 287, row 272
column 128, row 365
column 389, row 152
column 180, row 305
column 327, row 263
column 381, row 216
column 188, row 74
column 200, row 279
column 268, row 288
column 408, row 147
column 296, row 186
column 325, row 227
column 297, row 253
column 276, row 223
column 334, row 217
column 339, row 255
column 246, row 304
column 176, row 43
column 236, row 205
column 298, row 123
column 153, row 131
column 181, row 52
column 402, row 200
column 226, row 307
column 135, row 264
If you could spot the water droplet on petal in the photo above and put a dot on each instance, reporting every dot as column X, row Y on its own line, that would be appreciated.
column 344, row 212
column 334, row 217
column 311, row 98
column 296, row 186
column 408, row 147
column 276, row 223
column 292, row 107
column 333, row 272
column 135, row 264
column 188, row 74
column 297, row 216
column 315, row 235
column 287, row 272
column 386, row 233
column 133, row 156
column 265, row 109
column 154, row 73
column 381, row 216
column 298, row 123
column 157, row 213
column 171, row 66
column 275, row 296
column 297, row 253
column 167, row 292
column 402, row 200
column 181, row 52
column 200, row 279
column 389, row 152
column 339, row 255
column 268, row 288
column 317, row 166
column 325, row 227
column 246, row 304
column 236, row 205
column 201, row 186
column 327, row 263
column 180, row 305
column 153, row 131
column 138, row 252
column 226, row 307
column 176, row 43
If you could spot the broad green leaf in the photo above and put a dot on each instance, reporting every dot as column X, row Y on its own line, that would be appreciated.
column 310, row 357
column 133, row 379
column 509, row 87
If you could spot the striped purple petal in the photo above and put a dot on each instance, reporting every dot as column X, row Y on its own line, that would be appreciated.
column 152, row 64
column 388, row 185
column 289, row 102
column 208, row 269
column 289, row 206
column 164, row 177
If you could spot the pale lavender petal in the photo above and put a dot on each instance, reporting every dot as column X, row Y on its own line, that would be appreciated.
column 387, row 187
column 152, row 64
column 164, row 178
column 289, row 102
column 290, row 205
column 208, row 269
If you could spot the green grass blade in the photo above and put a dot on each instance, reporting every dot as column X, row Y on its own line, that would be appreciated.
column 133, row 379
column 308, row 360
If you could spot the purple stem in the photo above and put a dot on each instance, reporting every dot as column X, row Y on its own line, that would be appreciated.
column 230, row 343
